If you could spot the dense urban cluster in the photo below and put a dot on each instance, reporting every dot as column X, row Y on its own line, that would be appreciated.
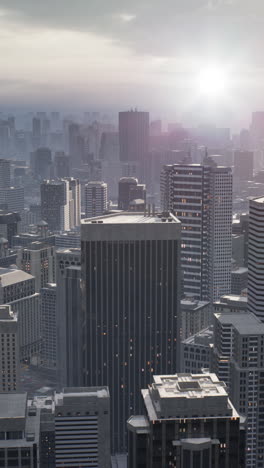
column 131, row 293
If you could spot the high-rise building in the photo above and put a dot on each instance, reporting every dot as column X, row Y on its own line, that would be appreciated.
column 5, row 174
column 82, row 427
column 55, row 206
column 239, row 359
column 10, row 363
column 75, row 201
column 244, row 165
column 129, row 190
column 48, row 326
column 133, row 136
column 38, row 259
column 239, row 280
column 17, row 288
column 36, row 132
column 95, row 199
column 19, row 444
column 130, row 273
column 12, row 199
column 61, row 165
column 256, row 257
column 40, row 162
column 189, row 422
column 69, row 317
column 201, row 197
column 9, row 225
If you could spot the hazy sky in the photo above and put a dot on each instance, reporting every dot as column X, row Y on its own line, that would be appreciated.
column 145, row 53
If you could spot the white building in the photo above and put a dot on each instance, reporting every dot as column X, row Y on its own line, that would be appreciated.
column 201, row 197
column 9, row 363
column 95, row 199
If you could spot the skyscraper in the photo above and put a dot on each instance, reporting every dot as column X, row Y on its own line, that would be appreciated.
column 133, row 136
column 48, row 326
column 10, row 363
column 55, row 204
column 256, row 257
column 5, row 176
column 75, row 201
column 244, row 164
column 61, row 164
column 40, row 163
column 189, row 422
column 128, row 190
column 38, row 259
column 201, row 197
column 95, row 199
column 131, row 293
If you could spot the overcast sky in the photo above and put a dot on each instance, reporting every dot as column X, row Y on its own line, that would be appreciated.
column 117, row 54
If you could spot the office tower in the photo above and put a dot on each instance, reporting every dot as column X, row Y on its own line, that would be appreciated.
column 195, row 316
column 19, row 444
column 12, row 199
column 48, row 326
column 55, row 120
column 40, row 163
column 133, row 136
column 9, row 225
column 244, row 165
column 239, row 280
column 5, row 177
column 55, row 204
column 61, row 165
column 201, row 197
column 130, row 273
column 69, row 317
column 82, row 427
column 189, row 422
column 38, row 259
column 256, row 257
column 155, row 128
column 109, row 147
column 10, row 363
column 240, row 227
column 257, row 127
column 36, row 132
column 17, row 289
column 239, row 357
column 75, row 201
column 95, row 199
column 76, row 145
column 196, row 352
column 129, row 190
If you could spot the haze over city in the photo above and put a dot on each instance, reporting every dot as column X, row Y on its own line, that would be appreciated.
column 113, row 54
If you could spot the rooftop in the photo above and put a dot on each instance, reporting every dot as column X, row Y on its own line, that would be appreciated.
column 258, row 200
column 12, row 405
column 10, row 276
column 131, row 218
column 244, row 322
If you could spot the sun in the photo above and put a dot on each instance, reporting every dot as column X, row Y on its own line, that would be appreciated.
column 213, row 82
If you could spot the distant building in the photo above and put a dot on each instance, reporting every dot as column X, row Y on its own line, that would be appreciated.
column 133, row 135
column 9, row 223
column 95, row 199
column 129, row 190
column 5, row 173
column 244, row 165
column 55, row 209
column 12, row 199
column 189, row 422
column 41, row 161
column 61, row 165
column 10, row 362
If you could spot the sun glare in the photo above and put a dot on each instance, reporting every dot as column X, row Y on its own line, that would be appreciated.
column 213, row 82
